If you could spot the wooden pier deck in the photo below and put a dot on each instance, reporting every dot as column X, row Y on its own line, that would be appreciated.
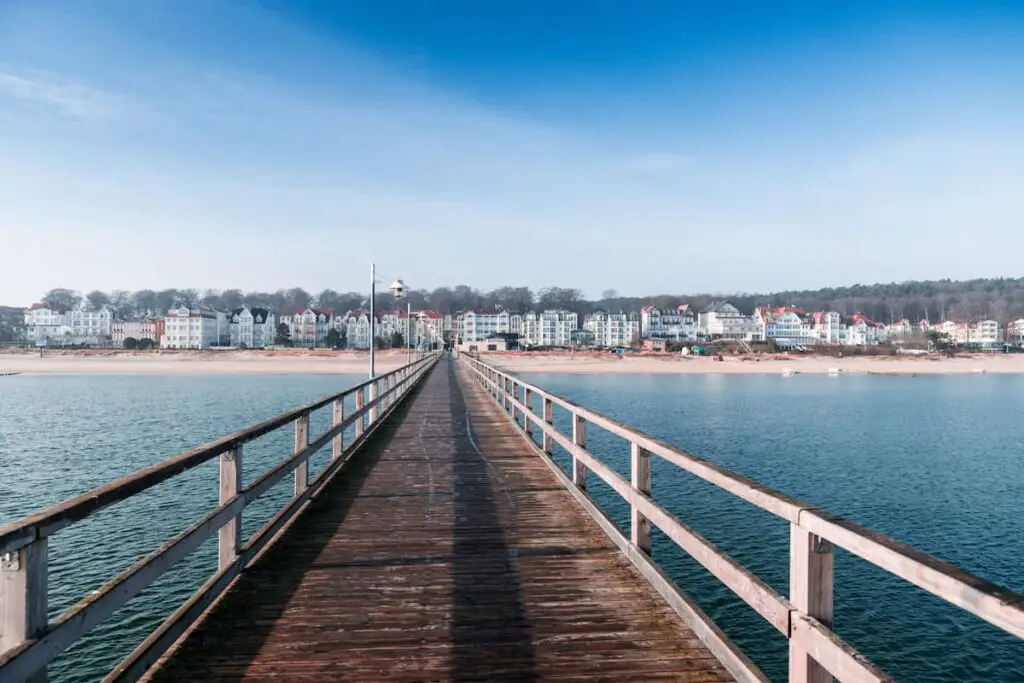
column 447, row 551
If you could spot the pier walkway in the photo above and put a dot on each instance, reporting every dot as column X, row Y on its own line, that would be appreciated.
column 447, row 552
column 442, row 541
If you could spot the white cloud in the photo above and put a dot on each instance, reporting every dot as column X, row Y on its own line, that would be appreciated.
column 68, row 98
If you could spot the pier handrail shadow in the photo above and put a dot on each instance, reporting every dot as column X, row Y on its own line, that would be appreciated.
column 28, row 641
column 816, row 652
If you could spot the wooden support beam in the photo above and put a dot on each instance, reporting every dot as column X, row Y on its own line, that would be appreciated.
column 360, row 403
column 579, row 437
column 301, row 442
column 810, row 590
column 23, row 596
column 640, row 471
column 549, row 410
column 229, row 536
column 338, row 415
column 528, row 402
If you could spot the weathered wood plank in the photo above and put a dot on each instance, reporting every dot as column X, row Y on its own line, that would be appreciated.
column 23, row 602
column 301, row 444
column 640, row 478
column 498, row 577
column 810, row 590
column 230, row 535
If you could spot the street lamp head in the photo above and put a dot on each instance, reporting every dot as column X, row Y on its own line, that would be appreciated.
column 398, row 288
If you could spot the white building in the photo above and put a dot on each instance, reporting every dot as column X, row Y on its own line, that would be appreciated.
column 356, row 325
column 46, row 325
column 613, row 329
column 1015, row 333
column 862, row 331
column 428, row 330
column 722, row 320
column 196, row 328
column 309, row 326
column 150, row 330
column 254, row 328
column 549, row 328
column 90, row 325
column 676, row 324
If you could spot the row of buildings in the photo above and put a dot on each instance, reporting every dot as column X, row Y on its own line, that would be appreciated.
column 202, row 327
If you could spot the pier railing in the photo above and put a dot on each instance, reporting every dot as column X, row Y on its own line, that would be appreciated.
column 816, row 652
column 28, row 642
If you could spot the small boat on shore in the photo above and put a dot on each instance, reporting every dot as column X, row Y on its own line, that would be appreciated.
column 6, row 373
column 788, row 372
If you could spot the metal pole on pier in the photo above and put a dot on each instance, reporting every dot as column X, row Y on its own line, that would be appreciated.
column 373, row 331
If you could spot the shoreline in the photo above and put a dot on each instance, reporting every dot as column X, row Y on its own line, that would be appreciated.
column 291, row 362
column 317, row 362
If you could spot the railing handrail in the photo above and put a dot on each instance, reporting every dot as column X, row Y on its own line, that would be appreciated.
column 49, row 520
column 28, row 642
column 995, row 604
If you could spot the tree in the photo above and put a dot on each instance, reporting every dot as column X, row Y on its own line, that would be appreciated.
column 212, row 299
column 131, row 343
column 61, row 299
column 121, row 303
column 609, row 294
column 97, row 299
column 188, row 297
column 284, row 335
column 397, row 341
column 231, row 299
column 166, row 299
column 145, row 344
column 334, row 339
column 145, row 302
column 296, row 299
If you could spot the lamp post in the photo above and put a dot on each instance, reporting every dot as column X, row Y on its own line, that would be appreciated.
column 398, row 289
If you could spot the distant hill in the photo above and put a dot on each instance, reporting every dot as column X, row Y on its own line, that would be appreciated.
column 999, row 299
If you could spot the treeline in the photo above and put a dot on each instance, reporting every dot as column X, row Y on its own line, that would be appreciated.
column 999, row 299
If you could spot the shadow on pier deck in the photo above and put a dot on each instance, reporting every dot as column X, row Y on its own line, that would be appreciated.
column 446, row 550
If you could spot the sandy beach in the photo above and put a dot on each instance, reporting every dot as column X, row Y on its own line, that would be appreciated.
column 290, row 362
column 298, row 362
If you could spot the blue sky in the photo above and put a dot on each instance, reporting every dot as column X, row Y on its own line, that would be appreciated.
column 645, row 147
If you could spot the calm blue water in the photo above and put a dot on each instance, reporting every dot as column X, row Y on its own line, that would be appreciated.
column 935, row 462
column 62, row 435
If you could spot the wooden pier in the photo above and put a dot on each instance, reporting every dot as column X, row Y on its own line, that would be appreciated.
column 442, row 543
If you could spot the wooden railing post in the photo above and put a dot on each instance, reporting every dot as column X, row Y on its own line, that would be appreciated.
column 301, row 441
column 579, row 437
column 229, row 537
column 548, row 444
column 338, row 415
column 374, row 386
column 528, row 402
column 640, row 476
column 23, row 596
column 360, row 404
column 810, row 590
column 515, row 397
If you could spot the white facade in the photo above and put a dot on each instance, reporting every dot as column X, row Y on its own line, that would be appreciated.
column 357, row 329
column 676, row 324
column 309, row 326
column 90, row 326
column 43, row 324
column 722, row 320
column 982, row 333
column 255, row 328
column 197, row 328
column 428, row 329
column 1015, row 333
column 135, row 329
column 613, row 329
column 549, row 328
